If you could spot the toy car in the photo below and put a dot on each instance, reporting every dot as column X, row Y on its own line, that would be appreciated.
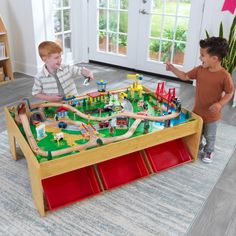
column 62, row 125
column 104, row 124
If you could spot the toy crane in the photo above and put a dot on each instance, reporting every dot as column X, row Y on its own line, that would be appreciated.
column 136, row 86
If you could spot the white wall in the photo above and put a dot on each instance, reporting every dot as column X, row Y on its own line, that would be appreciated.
column 211, row 20
column 40, row 31
column 213, row 16
column 25, row 24
column 22, row 27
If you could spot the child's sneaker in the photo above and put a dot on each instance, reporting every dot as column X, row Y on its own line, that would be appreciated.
column 207, row 157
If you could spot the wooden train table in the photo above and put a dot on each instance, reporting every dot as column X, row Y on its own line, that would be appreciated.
column 96, row 142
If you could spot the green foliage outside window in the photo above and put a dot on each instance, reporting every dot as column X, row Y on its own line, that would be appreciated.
column 168, row 34
column 123, row 40
column 180, row 35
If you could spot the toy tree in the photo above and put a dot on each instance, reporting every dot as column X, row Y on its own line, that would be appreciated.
column 49, row 155
column 146, row 126
column 99, row 142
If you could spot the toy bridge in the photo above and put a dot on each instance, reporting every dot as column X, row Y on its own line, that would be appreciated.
column 162, row 94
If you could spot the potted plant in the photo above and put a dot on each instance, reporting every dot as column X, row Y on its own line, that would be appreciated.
column 179, row 47
column 229, row 62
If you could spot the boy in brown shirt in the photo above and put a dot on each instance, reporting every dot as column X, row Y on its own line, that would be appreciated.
column 214, row 88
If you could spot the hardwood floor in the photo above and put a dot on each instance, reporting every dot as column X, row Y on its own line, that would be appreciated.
column 219, row 214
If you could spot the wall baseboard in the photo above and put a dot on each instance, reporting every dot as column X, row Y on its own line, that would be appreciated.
column 24, row 68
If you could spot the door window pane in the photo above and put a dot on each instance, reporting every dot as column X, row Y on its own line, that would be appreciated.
column 102, row 19
column 181, row 34
column 113, row 4
column 67, row 42
column 103, row 3
column 62, row 24
column 66, row 3
column 112, row 26
column 166, row 47
column 168, row 32
column 57, row 22
column 179, row 53
column 124, row 4
column 123, row 24
column 170, row 6
column 156, row 26
column 182, row 28
column 102, row 41
column 122, row 44
column 112, row 42
column 157, row 6
column 113, row 21
column 169, row 26
column 66, row 15
column 154, row 49
column 59, row 39
column 184, row 8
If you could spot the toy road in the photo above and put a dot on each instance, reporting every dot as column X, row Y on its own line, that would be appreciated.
column 33, row 144
column 92, row 141
column 92, row 136
column 127, row 114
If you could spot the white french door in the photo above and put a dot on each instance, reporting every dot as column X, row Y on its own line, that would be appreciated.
column 143, row 34
column 111, row 31
column 58, row 25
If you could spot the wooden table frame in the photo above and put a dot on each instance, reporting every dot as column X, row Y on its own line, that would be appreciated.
column 190, row 132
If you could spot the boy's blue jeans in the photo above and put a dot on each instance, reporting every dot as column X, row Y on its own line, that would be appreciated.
column 209, row 133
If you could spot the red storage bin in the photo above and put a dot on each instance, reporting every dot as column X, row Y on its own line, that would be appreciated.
column 70, row 187
column 167, row 155
column 122, row 170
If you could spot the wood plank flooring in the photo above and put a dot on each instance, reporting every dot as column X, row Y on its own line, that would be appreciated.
column 219, row 214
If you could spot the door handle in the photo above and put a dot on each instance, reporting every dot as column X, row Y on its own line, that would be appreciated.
column 143, row 11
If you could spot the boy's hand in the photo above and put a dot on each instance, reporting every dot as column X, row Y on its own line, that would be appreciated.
column 179, row 73
column 50, row 98
column 55, row 98
column 87, row 73
column 216, row 107
column 169, row 66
